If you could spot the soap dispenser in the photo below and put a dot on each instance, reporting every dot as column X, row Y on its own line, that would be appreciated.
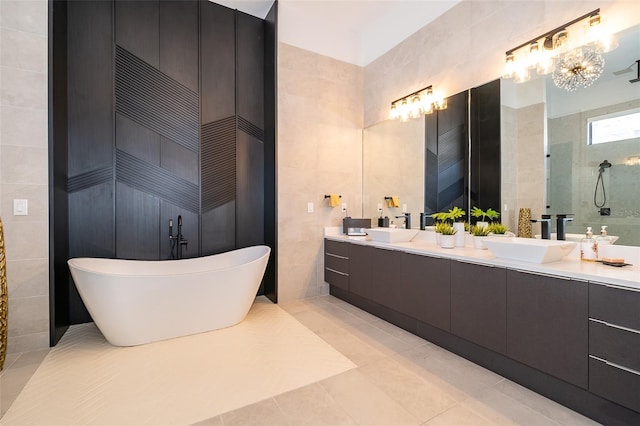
column 589, row 247
column 603, row 239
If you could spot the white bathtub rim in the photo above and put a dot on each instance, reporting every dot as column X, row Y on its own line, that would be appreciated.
column 74, row 262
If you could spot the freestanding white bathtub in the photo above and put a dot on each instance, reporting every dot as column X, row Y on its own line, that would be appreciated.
column 134, row 301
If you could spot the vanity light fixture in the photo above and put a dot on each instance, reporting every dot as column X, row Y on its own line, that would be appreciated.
column 572, row 52
column 420, row 102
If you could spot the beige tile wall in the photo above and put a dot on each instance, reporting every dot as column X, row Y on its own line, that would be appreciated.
column 319, row 152
column 23, row 169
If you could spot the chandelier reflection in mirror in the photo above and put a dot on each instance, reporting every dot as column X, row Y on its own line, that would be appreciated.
column 572, row 53
column 418, row 103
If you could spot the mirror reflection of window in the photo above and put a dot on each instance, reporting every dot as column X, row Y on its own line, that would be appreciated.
column 621, row 126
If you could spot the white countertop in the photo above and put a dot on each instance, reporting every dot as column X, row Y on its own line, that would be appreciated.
column 571, row 267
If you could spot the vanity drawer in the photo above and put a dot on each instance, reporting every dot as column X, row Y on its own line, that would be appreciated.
column 336, row 278
column 615, row 384
column 614, row 344
column 336, row 262
column 615, row 305
column 336, row 247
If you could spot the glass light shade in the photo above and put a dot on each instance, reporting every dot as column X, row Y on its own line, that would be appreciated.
column 404, row 110
column 509, row 66
column 393, row 112
column 545, row 63
column 427, row 102
column 521, row 74
column 561, row 41
column 439, row 101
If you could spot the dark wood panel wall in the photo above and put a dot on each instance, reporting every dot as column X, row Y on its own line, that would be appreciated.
column 164, row 115
column 456, row 170
column 485, row 146
column 446, row 162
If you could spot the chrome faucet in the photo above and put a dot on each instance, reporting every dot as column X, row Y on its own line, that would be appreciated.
column 407, row 220
column 179, row 240
column 545, row 224
column 561, row 226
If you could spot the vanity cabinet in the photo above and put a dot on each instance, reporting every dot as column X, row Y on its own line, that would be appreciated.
column 614, row 344
column 425, row 288
column 547, row 324
column 336, row 264
column 573, row 341
column 479, row 304
column 374, row 274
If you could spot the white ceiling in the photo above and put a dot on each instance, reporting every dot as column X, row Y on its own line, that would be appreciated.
column 355, row 31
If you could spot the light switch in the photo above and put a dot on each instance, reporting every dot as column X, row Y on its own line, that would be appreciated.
column 309, row 207
column 20, row 207
column 404, row 208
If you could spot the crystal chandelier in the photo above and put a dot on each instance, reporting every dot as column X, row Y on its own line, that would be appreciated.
column 579, row 67
column 571, row 52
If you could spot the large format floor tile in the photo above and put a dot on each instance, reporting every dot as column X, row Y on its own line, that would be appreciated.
column 400, row 379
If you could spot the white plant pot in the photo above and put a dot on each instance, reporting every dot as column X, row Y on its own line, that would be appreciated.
column 459, row 227
column 447, row 241
column 478, row 242
column 481, row 224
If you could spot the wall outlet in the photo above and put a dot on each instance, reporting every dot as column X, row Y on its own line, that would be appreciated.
column 309, row 207
column 344, row 207
column 379, row 207
column 404, row 208
column 20, row 207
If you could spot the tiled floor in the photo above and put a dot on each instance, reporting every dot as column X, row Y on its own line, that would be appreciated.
column 401, row 379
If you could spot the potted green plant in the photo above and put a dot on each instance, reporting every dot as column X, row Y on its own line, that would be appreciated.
column 447, row 236
column 482, row 215
column 499, row 229
column 479, row 234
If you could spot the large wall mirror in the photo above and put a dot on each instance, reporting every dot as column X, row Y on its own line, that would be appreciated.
column 575, row 122
column 393, row 165
column 393, row 152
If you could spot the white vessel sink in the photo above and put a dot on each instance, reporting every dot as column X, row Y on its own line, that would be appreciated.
column 578, row 237
column 529, row 249
column 391, row 235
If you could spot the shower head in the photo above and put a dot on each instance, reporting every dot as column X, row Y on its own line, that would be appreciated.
column 604, row 165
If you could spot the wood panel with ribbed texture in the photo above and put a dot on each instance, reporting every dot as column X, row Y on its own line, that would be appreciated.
column 218, row 162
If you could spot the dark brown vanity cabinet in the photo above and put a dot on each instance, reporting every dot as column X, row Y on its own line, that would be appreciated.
column 614, row 344
column 374, row 274
column 478, row 304
column 547, row 324
column 336, row 264
column 425, row 290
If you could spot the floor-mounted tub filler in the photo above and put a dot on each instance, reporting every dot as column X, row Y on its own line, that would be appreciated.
column 135, row 301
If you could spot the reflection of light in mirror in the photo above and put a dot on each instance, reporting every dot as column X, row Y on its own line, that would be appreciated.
column 633, row 161
column 571, row 51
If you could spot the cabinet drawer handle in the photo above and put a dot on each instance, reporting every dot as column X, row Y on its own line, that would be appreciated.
column 619, row 287
column 613, row 364
column 337, row 272
column 543, row 274
column 488, row 265
column 337, row 255
column 619, row 327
